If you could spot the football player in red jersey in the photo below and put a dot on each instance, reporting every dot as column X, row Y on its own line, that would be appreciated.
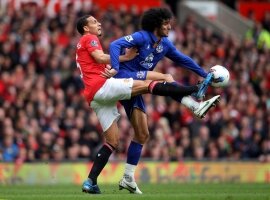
column 102, row 93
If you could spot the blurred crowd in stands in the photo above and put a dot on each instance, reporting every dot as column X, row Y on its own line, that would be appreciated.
column 43, row 115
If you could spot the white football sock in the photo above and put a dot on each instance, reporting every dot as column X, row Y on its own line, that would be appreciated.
column 190, row 103
column 130, row 171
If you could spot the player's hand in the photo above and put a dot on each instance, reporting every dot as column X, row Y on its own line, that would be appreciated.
column 108, row 72
column 131, row 53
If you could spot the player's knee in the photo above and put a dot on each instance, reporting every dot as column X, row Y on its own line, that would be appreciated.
column 147, row 82
column 145, row 137
column 113, row 142
column 142, row 138
column 169, row 78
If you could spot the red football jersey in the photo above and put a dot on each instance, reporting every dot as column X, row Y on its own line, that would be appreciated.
column 90, row 69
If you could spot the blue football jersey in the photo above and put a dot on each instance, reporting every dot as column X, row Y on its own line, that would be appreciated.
column 149, row 55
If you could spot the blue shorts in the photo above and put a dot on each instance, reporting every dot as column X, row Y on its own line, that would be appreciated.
column 136, row 101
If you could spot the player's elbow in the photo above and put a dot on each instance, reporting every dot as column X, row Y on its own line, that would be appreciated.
column 111, row 46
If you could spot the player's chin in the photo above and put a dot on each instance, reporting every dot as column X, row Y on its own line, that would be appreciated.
column 165, row 35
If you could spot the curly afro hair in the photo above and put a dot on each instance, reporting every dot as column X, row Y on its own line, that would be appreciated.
column 154, row 17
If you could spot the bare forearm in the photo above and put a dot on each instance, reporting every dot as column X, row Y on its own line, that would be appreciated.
column 103, row 59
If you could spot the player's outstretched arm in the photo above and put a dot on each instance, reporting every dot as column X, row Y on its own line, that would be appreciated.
column 184, row 61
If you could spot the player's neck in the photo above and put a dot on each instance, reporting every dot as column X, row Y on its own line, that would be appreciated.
column 157, row 36
column 158, row 39
column 156, row 43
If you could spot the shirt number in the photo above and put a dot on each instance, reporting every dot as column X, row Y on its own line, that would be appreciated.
column 79, row 67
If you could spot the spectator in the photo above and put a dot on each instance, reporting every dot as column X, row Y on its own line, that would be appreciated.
column 260, row 36
column 9, row 150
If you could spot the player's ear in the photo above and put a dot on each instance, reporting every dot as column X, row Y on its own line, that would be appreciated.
column 85, row 28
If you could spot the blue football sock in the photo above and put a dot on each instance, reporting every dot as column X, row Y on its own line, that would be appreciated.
column 134, row 153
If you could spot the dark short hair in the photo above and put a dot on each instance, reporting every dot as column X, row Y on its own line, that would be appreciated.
column 81, row 22
column 154, row 17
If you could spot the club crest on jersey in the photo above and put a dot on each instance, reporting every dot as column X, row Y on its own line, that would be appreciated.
column 128, row 38
column 94, row 43
column 148, row 61
column 149, row 58
column 159, row 48
column 140, row 74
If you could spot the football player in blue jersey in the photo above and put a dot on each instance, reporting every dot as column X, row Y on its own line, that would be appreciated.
column 153, row 45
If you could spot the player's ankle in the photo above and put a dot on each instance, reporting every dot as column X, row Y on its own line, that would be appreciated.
column 129, row 177
column 190, row 103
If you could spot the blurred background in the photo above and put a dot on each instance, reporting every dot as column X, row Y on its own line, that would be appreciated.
column 45, row 119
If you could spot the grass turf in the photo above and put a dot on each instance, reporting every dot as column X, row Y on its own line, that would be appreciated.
column 151, row 192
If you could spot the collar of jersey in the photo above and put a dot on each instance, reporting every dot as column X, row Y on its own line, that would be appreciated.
column 153, row 37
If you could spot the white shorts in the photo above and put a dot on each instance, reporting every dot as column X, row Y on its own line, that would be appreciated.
column 104, row 101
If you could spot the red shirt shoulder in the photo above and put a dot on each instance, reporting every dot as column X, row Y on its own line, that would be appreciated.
column 90, row 43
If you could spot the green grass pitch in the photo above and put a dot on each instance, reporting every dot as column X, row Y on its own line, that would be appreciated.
column 151, row 192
